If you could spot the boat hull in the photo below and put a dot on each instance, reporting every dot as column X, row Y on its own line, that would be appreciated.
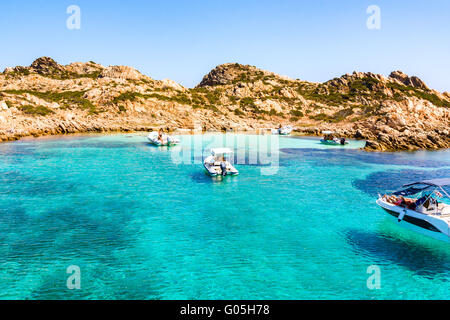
column 285, row 131
column 417, row 222
column 159, row 144
column 214, row 173
column 332, row 143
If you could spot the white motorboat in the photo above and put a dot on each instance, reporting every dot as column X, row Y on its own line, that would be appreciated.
column 284, row 131
column 422, row 206
column 165, row 140
column 330, row 139
column 217, row 164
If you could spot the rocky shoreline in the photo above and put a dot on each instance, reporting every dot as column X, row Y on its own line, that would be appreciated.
column 394, row 113
column 388, row 144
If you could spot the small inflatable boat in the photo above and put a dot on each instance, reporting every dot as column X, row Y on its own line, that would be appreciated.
column 166, row 139
column 284, row 131
column 331, row 140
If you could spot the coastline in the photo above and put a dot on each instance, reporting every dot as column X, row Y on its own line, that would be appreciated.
column 397, row 113
column 181, row 131
column 372, row 145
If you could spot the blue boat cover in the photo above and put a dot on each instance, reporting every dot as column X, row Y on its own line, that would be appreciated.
column 442, row 182
column 410, row 191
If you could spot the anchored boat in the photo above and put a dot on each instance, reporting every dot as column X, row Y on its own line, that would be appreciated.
column 284, row 131
column 217, row 163
column 163, row 140
column 330, row 139
column 422, row 206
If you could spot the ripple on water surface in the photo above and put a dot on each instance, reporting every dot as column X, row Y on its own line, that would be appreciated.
column 147, row 223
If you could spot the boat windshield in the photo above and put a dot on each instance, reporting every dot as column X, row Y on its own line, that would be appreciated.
column 411, row 191
column 419, row 189
column 417, row 194
column 226, row 156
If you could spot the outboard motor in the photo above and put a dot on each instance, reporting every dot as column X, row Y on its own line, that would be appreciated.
column 401, row 215
column 223, row 167
column 342, row 141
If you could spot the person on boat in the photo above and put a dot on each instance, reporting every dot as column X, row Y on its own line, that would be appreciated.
column 223, row 167
column 342, row 141
column 328, row 137
column 405, row 202
column 160, row 136
column 421, row 201
column 425, row 201
column 390, row 198
column 279, row 128
column 400, row 201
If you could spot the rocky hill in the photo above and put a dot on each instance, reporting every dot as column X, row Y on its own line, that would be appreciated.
column 394, row 113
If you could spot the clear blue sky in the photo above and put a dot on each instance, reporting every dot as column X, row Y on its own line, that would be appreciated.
column 183, row 40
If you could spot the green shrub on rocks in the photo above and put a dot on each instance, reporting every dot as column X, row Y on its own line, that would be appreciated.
column 273, row 112
column 36, row 110
column 297, row 113
column 321, row 117
column 247, row 103
column 65, row 98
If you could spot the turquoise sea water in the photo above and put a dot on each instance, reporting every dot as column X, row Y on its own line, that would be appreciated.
column 143, row 222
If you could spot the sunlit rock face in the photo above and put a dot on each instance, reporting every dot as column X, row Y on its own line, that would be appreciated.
column 398, row 112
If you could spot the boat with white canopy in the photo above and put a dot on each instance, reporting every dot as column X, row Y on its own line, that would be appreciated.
column 218, row 164
column 422, row 206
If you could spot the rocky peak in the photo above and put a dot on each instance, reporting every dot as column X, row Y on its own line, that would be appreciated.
column 229, row 73
column 84, row 67
column 121, row 72
column 18, row 69
column 170, row 84
column 347, row 78
column 408, row 81
column 220, row 75
column 46, row 66
column 358, row 81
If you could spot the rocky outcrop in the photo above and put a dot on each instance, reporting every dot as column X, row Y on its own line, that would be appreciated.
column 220, row 75
column 394, row 113
column 121, row 72
column 46, row 66
column 84, row 68
column 230, row 73
column 20, row 70
column 170, row 84
column 408, row 81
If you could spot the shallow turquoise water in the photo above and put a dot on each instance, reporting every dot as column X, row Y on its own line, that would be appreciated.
column 144, row 222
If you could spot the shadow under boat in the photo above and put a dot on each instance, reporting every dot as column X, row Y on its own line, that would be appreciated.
column 421, row 258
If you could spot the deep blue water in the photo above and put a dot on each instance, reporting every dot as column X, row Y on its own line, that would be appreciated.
column 142, row 222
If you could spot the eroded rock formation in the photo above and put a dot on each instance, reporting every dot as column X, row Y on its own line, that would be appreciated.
column 398, row 112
